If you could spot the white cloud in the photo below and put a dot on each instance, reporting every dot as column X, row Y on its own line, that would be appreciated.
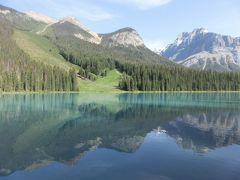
column 143, row 4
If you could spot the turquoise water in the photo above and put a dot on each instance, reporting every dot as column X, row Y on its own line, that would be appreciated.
column 128, row 136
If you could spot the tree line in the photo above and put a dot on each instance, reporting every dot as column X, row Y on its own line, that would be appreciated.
column 163, row 78
column 149, row 77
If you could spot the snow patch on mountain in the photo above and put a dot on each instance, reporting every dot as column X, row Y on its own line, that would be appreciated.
column 5, row 12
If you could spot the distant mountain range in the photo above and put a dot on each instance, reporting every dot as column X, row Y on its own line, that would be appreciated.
column 198, row 49
column 205, row 50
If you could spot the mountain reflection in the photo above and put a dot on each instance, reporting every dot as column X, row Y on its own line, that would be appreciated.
column 206, row 130
column 36, row 130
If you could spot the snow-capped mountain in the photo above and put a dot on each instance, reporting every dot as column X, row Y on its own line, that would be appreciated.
column 205, row 50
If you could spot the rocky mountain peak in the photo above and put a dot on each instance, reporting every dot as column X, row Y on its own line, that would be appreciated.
column 72, row 20
column 199, row 31
column 185, row 36
column 127, row 29
column 181, row 38
column 125, row 37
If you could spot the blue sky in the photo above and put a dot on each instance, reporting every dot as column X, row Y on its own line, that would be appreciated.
column 158, row 21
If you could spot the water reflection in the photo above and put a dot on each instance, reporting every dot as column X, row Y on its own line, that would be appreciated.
column 36, row 130
column 205, row 130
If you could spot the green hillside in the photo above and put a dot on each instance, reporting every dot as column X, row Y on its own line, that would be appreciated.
column 19, row 72
column 40, row 49
column 109, row 83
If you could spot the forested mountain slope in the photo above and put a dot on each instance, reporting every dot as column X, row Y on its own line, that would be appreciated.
column 18, row 72
column 41, row 49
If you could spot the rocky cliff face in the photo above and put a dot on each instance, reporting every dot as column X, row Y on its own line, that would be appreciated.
column 125, row 37
column 205, row 50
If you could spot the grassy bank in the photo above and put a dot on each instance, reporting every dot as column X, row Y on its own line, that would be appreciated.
column 108, row 83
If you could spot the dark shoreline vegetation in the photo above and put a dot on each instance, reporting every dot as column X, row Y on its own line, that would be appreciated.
column 20, row 72
column 163, row 78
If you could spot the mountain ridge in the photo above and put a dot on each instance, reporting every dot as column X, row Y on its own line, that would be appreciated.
column 125, row 42
column 205, row 50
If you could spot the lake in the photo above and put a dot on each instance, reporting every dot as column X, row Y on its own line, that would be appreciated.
column 168, row 136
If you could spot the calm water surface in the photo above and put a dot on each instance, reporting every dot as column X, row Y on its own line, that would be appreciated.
column 128, row 136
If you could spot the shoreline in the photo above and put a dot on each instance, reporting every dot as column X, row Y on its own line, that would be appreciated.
column 115, row 92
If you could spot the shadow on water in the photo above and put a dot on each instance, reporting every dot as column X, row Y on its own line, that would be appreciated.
column 36, row 130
